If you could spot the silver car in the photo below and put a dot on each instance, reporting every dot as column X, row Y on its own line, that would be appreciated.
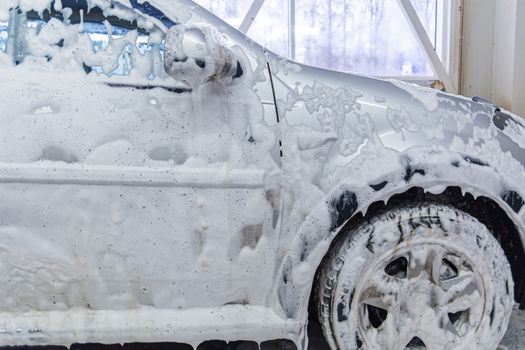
column 165, row 179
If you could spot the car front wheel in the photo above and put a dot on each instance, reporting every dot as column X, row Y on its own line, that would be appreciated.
column 422, row 277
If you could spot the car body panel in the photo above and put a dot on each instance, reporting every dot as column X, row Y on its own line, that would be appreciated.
column 144, row 325
column 171, row 207
column 102, row 168
column 356, row 140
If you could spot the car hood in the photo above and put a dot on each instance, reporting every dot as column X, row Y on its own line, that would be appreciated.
column 403, row 114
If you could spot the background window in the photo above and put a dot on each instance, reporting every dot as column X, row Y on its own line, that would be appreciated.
column 230, row 11
column 3, row 36
column 371, row 37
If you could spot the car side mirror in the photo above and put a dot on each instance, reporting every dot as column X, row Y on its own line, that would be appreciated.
column 197, row 54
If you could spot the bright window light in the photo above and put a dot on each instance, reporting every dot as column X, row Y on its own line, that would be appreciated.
column 3, row 36
column 371, row 37
column 230, row 11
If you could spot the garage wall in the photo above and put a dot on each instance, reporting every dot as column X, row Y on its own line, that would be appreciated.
column 493, row 52
column 519, row 67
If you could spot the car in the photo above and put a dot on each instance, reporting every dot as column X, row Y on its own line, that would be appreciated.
column 163, row 178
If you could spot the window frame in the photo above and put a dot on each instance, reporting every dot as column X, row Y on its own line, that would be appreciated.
column 447, row 43
column 448, row 34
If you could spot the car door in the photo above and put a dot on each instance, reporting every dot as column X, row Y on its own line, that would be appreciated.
column 122, row 186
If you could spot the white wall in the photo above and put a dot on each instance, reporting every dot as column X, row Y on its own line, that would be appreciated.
column 519, row 66
column 493, row 52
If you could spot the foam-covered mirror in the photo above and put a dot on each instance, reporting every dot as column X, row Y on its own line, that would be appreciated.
column 198, row 54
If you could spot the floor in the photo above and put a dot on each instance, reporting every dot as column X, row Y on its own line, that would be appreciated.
column 515, row 337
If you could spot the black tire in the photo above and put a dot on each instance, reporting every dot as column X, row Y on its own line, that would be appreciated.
column 380, row 282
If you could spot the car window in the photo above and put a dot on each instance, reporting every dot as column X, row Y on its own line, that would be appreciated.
column 102, row 35
column 74, row 40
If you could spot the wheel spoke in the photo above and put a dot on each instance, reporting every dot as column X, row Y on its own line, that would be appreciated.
column 406, row 331
column 437, row 332
column 434, row 342
column 462, row 302
column 461, row 292
column 451, row 328
column 395, row 333
column 437, row 261
column 429, row 260
column 380, row 303
column 459, row 282
column 381, row 292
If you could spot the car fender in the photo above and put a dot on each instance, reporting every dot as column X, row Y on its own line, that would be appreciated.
column 427, row 168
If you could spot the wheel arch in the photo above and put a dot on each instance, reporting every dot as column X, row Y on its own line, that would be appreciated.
column 484, row 209
column 459, row 180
